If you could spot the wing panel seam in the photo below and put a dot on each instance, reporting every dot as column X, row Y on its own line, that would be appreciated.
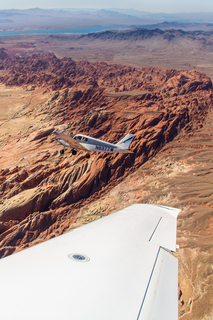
column 149, row 282
column 155, row 229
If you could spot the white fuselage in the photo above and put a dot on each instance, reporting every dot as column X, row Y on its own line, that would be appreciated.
column 93, row 144
column 86, row 143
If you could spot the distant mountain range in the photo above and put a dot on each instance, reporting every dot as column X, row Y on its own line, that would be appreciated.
column 205, row 37
column 201, row 17
column 201, row 40
column 32, row 19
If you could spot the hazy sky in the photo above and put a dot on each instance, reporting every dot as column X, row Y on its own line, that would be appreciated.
column 169, row 6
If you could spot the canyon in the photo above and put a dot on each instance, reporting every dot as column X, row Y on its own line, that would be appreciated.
column 44, row 193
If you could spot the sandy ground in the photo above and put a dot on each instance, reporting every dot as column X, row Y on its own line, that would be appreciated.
column 18, row 118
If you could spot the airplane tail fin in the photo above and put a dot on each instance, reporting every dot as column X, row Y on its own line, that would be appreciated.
column 126, row 141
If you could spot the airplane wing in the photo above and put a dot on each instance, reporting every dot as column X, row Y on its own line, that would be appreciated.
column 117, row 268
column 72, row 142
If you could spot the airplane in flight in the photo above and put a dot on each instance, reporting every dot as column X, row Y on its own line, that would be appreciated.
column 118, row 267
column 86, row 143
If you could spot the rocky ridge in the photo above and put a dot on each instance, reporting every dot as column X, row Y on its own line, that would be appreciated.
column 168, row 34
column 44, row 193
column 96, row 99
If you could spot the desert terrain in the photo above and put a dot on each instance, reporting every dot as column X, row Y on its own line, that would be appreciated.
column 90, row 84
column 165, row 49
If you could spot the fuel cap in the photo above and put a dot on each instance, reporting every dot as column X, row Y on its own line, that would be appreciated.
column 78, row 257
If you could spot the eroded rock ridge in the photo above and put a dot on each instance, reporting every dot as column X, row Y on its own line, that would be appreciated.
column 42, row 191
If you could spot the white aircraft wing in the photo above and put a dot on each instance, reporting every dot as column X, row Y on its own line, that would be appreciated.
column 72, row 142
column 115, row 268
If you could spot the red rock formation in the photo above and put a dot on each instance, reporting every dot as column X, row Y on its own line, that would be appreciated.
column 42, row 199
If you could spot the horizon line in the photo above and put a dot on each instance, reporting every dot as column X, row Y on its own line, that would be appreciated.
column 109, row 9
